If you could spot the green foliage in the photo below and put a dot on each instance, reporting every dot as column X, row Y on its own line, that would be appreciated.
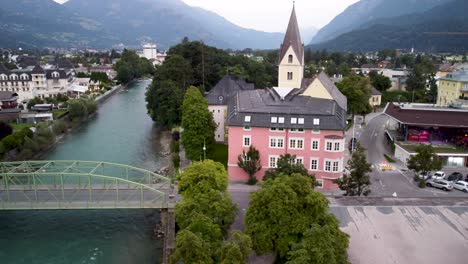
column 390, row 160
column 219, row 153
column 175, row 146
column 10, row 142
column 282, row 211
column 379, row 81
column 425, row 160
column 131, row 66
column 59, row 127
column 321, row 244
column 44, row 137
column 198, row 125
column 164, row 101
column 191, row 248
column 231, row 254
column 100, row 76
column 421, row 183
column 79, row 109
column 34, row 101
column 30, row 144
column 286, row 166
column 357, row 183
column 203, row 176
column 357, row 91
column 250, row 162
column 176, row 160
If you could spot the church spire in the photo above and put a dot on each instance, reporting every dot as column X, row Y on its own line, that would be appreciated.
column 292, row 37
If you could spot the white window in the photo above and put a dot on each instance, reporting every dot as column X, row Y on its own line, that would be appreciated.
column 274, row 119
column 336, row 166
column 293, row 120
column 314, row 164
column 329, row 146
column 276, row 142
column 300, row 121
column 247, row 119
column 281, row 120
column 327, row 166
column 272, row 161
column 296, row 143
column 276, row 129
column 316, row 121
column 299, row 160
column 337, row 146
column 315, row 145
column 246, row 141
column 315, row 131
column 319, row 183
column 247, row 128
column 296, row 130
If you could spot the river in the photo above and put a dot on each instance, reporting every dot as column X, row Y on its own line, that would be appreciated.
column 121, row 132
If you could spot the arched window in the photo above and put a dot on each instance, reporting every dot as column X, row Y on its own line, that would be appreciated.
column 55, row 75
column 290, row 59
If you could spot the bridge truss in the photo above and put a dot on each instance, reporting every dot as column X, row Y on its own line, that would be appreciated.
column 62, row 184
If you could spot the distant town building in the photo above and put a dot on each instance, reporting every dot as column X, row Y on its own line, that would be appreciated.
column 453, row 89
column 149, row 51
column 301, row 117
column 376, row 97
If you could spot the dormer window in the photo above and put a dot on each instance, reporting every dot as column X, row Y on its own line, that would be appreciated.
column 290, row 58
column 247, row 119
column 55, row 75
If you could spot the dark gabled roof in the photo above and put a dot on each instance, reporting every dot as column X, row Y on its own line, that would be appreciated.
column 64, row 64
column 226, row 88
column 433, row 117
column 4, row 69
column 375, row 91
column 292, row 38
column 37, row 70
column 62, row 74
column 333, row 90
column 262, row 104
column 306, row 82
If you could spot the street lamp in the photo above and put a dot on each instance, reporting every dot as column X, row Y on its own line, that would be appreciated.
column 204, row 150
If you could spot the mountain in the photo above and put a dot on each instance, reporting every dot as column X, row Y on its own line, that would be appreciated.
column 103, row 23
column 308, row 33
column 167, row 22
column 365, row 11
column 423, row 31
column 41, row 23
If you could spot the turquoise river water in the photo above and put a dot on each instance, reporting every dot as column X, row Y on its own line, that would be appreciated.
column 121, row 132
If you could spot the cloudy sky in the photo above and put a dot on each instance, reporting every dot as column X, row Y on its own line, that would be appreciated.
column 272, row 15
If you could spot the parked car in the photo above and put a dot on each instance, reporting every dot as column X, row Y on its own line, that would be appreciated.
column 456, row 176
column 441, row 184
column 438, row 175
column 425, row 175
column 461, row 185
column 466, row 179
column 352, row 144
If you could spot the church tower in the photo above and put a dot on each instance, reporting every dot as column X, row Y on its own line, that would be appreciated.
column 291, row 56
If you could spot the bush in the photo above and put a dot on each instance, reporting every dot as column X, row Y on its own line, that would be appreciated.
column 176, row 160
column 421, row 183
column 10, row 142
column 59, row 127
column 252, row 181
column 5, row 130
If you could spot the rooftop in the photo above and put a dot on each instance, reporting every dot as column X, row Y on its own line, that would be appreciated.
column 428, row 115
column 226, row 88
column 459, row 76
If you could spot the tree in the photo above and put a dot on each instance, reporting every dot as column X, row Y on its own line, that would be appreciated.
column 237, row 249
column 203, row 176
column 357, row 90
column 191, row 248
column 357, row 183
column 216, row 205
column 163, row 101
column 321, row 244
column 425, row 160
column 286, row 166
column 250, row 162
column 379, row 81
column 198, row 125
column 77, row 110
column 282, row 211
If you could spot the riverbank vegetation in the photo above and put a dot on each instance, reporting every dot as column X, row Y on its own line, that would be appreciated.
column 204, row 217
column 131, row 66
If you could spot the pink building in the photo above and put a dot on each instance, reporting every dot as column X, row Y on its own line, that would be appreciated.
column 302, row 117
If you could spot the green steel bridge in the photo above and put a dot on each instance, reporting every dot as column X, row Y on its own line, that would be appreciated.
column 72, row 184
